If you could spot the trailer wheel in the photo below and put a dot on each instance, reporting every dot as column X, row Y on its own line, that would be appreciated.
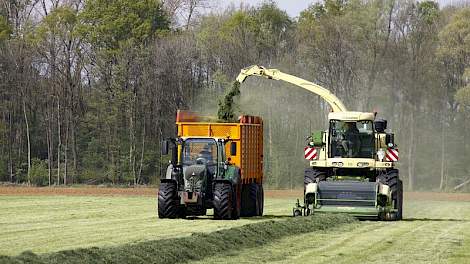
column 236, row 201
column 167, row 200
column 222, row 201
column 260, row 200
column 250, row 200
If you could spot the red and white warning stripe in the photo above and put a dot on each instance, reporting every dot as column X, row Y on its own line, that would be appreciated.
column 310, row 153
column 391, row 154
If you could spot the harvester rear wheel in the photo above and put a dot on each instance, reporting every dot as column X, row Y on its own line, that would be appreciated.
column 223, row 201
column 167, row 200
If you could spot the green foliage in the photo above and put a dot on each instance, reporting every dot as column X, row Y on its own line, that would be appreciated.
column 4, row 169
column 60, row 22
column 5, row 29
column 253, row 35
column 462, row 96
column 111, row 24
column 455, row 38
column 428, row 11
column 39, row 173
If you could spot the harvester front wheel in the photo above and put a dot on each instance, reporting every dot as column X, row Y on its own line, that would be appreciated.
column 223, row 201
column 312, row 175
column 399, row 201
column 391, row 178
column 167, row 200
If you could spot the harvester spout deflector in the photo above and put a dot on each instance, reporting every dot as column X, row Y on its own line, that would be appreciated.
column 255, row 70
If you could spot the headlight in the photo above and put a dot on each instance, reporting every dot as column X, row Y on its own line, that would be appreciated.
column 380, row 154
column 339, row 164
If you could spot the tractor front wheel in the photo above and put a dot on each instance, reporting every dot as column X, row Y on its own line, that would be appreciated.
column 167, row 200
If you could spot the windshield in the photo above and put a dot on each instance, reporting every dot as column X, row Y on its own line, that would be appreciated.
column 199, row 151
column 352, row 139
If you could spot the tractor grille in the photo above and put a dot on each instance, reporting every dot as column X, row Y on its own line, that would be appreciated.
column 347, row 193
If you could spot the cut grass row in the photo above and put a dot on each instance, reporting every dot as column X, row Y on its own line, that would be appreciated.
column 432, row 232
column 44, row 224
column 195, row 247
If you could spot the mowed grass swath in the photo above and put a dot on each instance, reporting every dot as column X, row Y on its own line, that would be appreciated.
column 195, row 247
column 50, row 223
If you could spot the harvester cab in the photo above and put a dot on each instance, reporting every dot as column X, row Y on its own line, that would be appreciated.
column 352, row 164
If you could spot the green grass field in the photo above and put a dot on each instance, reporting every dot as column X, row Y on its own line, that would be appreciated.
column 432, row 232
column 51, row 223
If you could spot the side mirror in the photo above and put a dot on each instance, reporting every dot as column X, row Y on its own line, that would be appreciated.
column 165, row 145
column 380, row 125
column 317, row 139
column 233, row 148
column 174, row 154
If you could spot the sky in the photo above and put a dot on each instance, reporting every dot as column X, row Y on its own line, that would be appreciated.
column 294, row 7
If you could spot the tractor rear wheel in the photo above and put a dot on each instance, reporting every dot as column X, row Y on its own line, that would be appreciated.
column 223, row 201
column 167, row 200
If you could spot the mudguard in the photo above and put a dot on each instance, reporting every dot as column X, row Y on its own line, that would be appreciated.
column 232, row 174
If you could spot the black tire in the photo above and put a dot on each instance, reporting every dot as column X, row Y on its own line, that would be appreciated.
column 399, row 215
column 236, row 201
column 223, row 201
column 313, row 175
column 261, row 200
column 167, row 200
column 250, row 200
column 391, row 178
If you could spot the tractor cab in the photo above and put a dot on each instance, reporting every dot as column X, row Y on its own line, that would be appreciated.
column 196, row 163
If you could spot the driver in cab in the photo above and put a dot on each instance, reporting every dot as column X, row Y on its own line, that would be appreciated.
column 350, row 141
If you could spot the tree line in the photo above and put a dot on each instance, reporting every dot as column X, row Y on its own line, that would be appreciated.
column 89, row 88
